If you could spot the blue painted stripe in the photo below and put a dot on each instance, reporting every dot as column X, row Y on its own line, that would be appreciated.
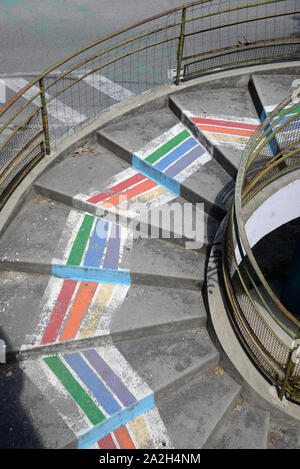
column 111, row 260
column 273, row 144
column 107, row 426
column 176, row 154
column 93, row 383
column 97, row 244
column 188, row 159
column 156, row 175
column 92, row 274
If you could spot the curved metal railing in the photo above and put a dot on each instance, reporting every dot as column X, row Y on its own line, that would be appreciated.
column 196, row 38
column 268, row 331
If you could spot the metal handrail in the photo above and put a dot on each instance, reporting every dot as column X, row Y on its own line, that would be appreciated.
column 28, row 132
column 271, row 347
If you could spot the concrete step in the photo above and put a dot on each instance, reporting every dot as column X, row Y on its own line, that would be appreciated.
column 109, row 187
column 32, row 305
column 183, row 164
column 196, row 413
column 29, row 420
column 168, row 361
column 52, row 235
column 246, row 427
column 283, row 436
column 136, row 377
column 157, row 310
column 222, row 119
column 267, row 92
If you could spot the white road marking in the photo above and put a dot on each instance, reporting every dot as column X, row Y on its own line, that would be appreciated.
column 55, row 108
column 108, row 87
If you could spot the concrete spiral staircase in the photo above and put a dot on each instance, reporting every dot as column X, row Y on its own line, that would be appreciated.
column 131, row 360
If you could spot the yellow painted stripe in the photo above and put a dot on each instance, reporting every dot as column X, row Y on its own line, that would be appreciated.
column 227, row 138
column 140, row 432
column 91, row 323
column 141, row 199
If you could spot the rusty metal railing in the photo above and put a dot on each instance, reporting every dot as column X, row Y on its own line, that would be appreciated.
column 181, row 43
column 268, row 331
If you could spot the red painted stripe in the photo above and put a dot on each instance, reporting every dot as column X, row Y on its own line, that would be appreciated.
column 225, row 130
column 59, row 311
column 118, row 188
column 238, row 125
column 107, row 443
column 123, row 438
column 130, row 193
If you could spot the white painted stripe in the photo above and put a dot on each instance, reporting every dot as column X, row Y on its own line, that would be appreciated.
column 157, row 430
column 56, row 108
column 125, row 244
column 48, row 302
column 271, row 107
column 116, row 300
column 55, row 393
column 68, row 236
column 108, row 87
column 228, row 118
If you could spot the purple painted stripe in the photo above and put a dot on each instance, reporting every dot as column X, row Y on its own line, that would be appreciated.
column 185, row 161
column 110, row 378
column 111, row 260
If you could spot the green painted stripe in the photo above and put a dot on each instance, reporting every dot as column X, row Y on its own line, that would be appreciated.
column 82, row 398
column 81, row 241
column 166, row 147
column 293, row 111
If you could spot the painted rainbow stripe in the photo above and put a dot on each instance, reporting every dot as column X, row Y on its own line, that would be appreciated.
column 225, row 130
column 93, row 261
column 266, row 111
column 117, row 416
column 87, row 280
column 99, row 392
column 91, row 273
column 161, row 169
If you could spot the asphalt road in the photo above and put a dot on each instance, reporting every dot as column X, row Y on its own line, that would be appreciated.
column 37, row 33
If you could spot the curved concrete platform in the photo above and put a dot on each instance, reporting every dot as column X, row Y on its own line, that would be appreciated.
column 102, row 307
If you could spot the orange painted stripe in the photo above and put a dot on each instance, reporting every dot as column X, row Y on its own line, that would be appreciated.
column 136, row 190
column 225, row 130
column 78, row 310
column 123, row 438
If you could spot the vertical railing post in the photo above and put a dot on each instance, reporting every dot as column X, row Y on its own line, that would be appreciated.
column 290, row 367
column 180, row 45
column 44, row 116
